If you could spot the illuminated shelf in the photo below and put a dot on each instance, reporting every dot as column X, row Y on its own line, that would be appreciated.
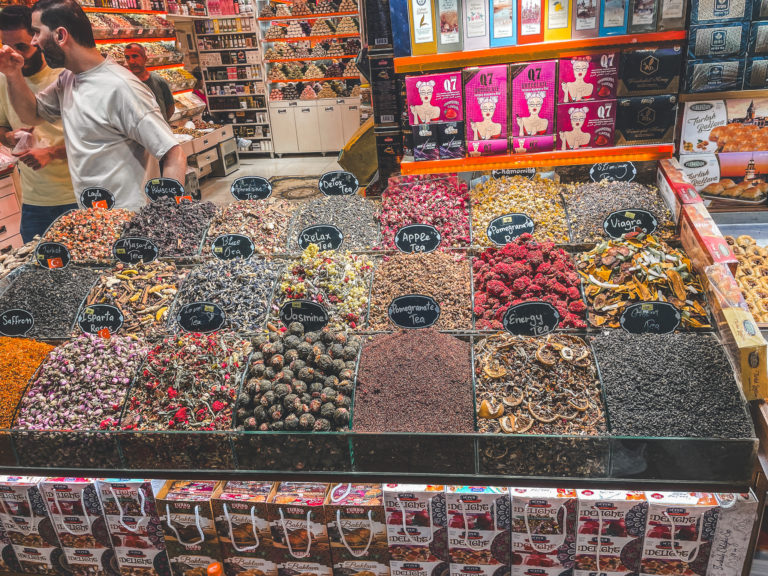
column 541, row 159
column 230, row 80
column 241, row 33
column 183, row 91
column 165, row 66
column 248, row 49
column 309, row 16
column 309, row 59
column 121, row 10
column 314, row 79
column 525, row 52
column 140, row 40
column 312, row 38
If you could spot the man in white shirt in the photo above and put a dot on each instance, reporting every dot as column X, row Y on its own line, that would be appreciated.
column 112, row 123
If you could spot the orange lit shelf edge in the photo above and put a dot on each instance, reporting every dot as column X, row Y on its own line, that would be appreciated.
column 165, row 66
column 183, row 91
column 537, row 51
column 121, row 10
column 127, row 40
column 541, row 159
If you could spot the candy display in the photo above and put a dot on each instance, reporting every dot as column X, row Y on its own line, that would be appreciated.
column 90, row 233
column 265, row 222
column 355, row 216
column 19, row 359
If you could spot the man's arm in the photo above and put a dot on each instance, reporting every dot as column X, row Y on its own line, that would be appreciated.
column 22, row 98
column 175, row 164
column 170, row 103
column 40, row 157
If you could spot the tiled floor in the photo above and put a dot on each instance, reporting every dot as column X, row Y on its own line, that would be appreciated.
column 217, row 189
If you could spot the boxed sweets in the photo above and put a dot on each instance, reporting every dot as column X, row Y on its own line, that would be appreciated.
column 716, row 11
column 727, row 125
column 79, row 522
column 479, row 522
column 758, row 39
column 734, row 178
column 649, row 71
column 756, row 73
column 678, row 533
column 586, row 125
column 645, row 120
column 674, row 187
column 590, row 77
column 717, row 76
column 609, row 533
column 702, row 240
column 718, row 41
column 8, row 561
column 730, row 546
column 434, row 98
column 242, row 523
column 485, row 102
column 190, row 533
column 134, row 526
column 533, row 98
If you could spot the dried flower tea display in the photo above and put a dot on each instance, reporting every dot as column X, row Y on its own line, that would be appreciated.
column 89, row 233
column 355, row 216
column 265, row 222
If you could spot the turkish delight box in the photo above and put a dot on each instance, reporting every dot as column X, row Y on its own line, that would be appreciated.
column 479, row 523
column 727, row 125
column 134, row 526
column 648, row 71
column 610, row 531
column 434, row 98
column 679, row 533
column 45, row 561
column 585, row 19
column 736, row 178
column 674, row 187
column 242, row 523
column 416, row 525
column 714, row 76
column 485, row 102
column 645, row 120
column 533, row 98
column 718, row 41
column 586, row 125
column 589, row 77
column 187, row 518
column 738, row 513
column 702, row 240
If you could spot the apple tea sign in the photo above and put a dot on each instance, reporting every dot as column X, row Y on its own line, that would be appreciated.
column 131, row 250
column 251, row 188
column 420, row 238
column 201, row 317
column 650, row 318
column 504, row 229
column 309, row 314
column 625, row 221
column 163, row 188
column 97, row 318
column 531, row 319
column 613, row 172
column 338, row 183
column 16, row 322
column 414, row 311
column 96, row 197
column 52, row 255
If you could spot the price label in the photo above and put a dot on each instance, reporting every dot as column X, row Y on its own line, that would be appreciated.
column 231, row 246
column 650, row 318
column 201, row 317
column 132, row 250
column 338, row 183
column 625, row 221
column 525, row 172
column 613, row 172
column 97, row 198
column 309, row 314
column 504, row 229
column 164, row 188
column 326, row 237
column 16, row 322
column 531, row 319
column 251, row 188
column 414, row 311
column 52, row 255
column 420, row 238
column 101, row 319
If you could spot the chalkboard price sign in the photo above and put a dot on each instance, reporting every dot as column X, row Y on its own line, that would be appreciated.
column 201, row 317
column 531, row 319
column 625, row 221
column 132, row 250
column 414, row 311
column 326, row 237
column 525, row 172
column 420, row 238
column 52, row 255
column 613, row 172
column 338, row 183
column 16, row 322
column 101, row 319
column 163, row 188
column 231, row 246
column 309, row 314
column 650, row 318
column 251, row 188
column 97, row 198
column 504, row 229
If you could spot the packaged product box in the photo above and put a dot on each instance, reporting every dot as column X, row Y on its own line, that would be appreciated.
column 645, row 120
column 759, row 9
column 476, row 24
column 533, row 144
column 8, row 560
column 242, row 524
column 613, row 17
column 384, row 96
column 434, row 98
column 758, row 39
column 586, row 125
column 679, row 532
column 643, row 15
column 299, row 533
column 674, row 187
column 190, row 532
column 617, row 519
column 735, row 178
column 649, row 71
column 557, row 20
column 450, row 140
column 756, row 73
column 714, row 11
column 23, row 513
column 401, row 31
column 354, row 514
column 702, row 240
column 421, row 15
column 479, row 523
column 728, row 125
column 739, row 332
column 378, row 28
column 738, row 513
column 530, row 21
column 425, row 146
column 485, row 98
column 672, row 15
column 450, row 30
column 543, row 530
column 533, row 98
column 503, row 23
column 717, row 76
column 590, row 77
column 585, row 19
column 389, row 150
column 728, row 40
column 134, row 526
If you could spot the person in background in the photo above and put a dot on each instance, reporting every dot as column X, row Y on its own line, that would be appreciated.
column 199, row 89
column 136, row 58
column 113, row 128
column 46, row 186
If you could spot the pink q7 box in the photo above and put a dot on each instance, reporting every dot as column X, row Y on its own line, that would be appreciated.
column 434, row 98
column 533, row 98
column 592, row 77
column 585, row 125
column 485, row 97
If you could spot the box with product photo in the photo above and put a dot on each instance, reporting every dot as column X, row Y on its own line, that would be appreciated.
column 613, row 17
column 475, row 25
column 645, row 120
column 533, row 98
column 450, row 31
column 732, row 179
column 485, row 102
column 728, row 125
column 643, row 15
column 586, row 125
column 649, row 71
column 589, row 77
column 434, row 98
column 672, row 15
column 503, row 23
column 585, row 19
column 530, row 21
column 756, row 73
column 416, row 524
column 728, row 40
column 8, row 561
column 730, row 546
column 674, row 187
column 715, row 11
column 24, row 514
column 702, row 240
column 720, row 76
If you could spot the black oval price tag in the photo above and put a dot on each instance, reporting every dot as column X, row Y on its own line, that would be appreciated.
column 16, row 322
column 163, row 188
column 338, row 183
column 613, row 172
column 97, row 198
column 625, row 221
column 231, row 246
column 525, row 172
column 504, row 229
column 650, row 318
column 326, row 237
column 251, row 188
column 420, row 238
column 201, row 317
column 531, row 319
column 309, row 314
column 52, row 255
column 414, row 311
column 132, row 250
column 101, row 319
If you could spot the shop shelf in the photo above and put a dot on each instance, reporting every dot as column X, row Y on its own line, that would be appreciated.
column 230, row 80
column 314, row 79
column 212, row 110
column 249, row 49
column 244, row 32
column 165, row 66
column 124, row 40
column 183, row 91
column 524, row 52
column 309, row 16
column 310, row 59
column 541, row 159
column 121, row 10
column 229, row 65
column 723, row 95
column 311, row 38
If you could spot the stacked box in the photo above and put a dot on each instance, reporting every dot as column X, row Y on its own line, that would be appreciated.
column 674, row 187
column 645, row 120
column 756, row 72
column 485, row 103
column 650, row 71
column 8, row 560
column 354, row 514
column 586, row 125
column 543, row 530
column 435, row 113
column 79, row 522
column 242, row 523
column 299, row 533
column 738, row 513
column 479, row 522
column 616, row 520
column 717, row 41
column 134, row 527
column 534, row 92
column 190, row 532
column 588, row 77
column 702, row 240
column 416, row 529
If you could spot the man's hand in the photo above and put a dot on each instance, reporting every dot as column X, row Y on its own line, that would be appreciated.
column 11, row 62
column 37, row 157
column 11, row 137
